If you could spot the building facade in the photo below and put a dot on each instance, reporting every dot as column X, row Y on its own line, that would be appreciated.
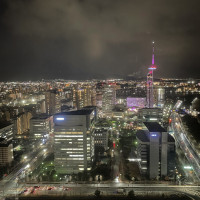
column 41, row 126
column 6, row 152
column 84, row 96
column 73, row 141
column 22, row 123
column 100, row 140
column 150, row 115
column 108, row 98
column 52, row 102
column 155, row 149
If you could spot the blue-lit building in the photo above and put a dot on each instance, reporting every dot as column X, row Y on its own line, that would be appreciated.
column 156, row 148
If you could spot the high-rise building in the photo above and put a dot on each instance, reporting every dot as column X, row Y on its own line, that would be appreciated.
column 155, row 149
column 159, row 97
column 109, row 98
column 41, row 107
column 84, row 96
column 52, row 102
column 41, row 126
column 22, row 123
column 74, row 141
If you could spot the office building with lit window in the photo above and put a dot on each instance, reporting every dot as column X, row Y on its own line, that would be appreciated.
column 6, row 146
column 155, row 151
column 108, row 98
column 41, row 126
column 100, row 140
column 6, row 152
column 84, row 96
column 150, row 115
column 159, row 97
column 74, row 141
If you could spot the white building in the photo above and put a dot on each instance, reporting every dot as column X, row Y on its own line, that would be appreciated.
column 73, row 141
column 108, row 98
column 160, row 97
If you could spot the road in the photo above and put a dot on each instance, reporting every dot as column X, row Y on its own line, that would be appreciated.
column 182, row 140
column 9, row 184
column 111, row 188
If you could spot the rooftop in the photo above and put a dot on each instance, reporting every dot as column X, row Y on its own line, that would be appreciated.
column 142, row 135
column 41, row 117
column 4, row 142
column 4, row 124
column 154, row 127
column 76, row 112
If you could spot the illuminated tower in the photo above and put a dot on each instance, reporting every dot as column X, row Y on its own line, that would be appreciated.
column 150, row 97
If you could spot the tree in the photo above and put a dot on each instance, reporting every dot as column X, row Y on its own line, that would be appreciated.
column 97, row 193
column 131, row 195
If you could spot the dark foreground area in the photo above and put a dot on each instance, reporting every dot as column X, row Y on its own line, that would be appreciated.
column 113, row 197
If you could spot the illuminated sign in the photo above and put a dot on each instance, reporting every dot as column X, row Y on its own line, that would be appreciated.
column 187, row 167
column 152, row 119
column 153, row 135
column 60, row 118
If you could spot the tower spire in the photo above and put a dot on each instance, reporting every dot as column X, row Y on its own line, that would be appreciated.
column 153, row 54
column 150, row 94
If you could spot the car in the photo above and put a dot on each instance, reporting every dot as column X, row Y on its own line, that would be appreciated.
column 36, row 187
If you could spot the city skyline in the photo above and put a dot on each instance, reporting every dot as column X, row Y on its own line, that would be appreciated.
column 85, row 40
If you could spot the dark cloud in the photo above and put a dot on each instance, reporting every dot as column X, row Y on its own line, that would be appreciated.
column 94, row 38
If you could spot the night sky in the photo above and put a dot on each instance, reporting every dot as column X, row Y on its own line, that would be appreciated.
column 85, row 39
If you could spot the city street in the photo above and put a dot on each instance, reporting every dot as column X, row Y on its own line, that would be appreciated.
column 9, row 183
column 106, row 189
column 180, row 136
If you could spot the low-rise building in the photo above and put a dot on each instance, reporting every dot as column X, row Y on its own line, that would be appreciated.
column 6, row 152
column 150, row 115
